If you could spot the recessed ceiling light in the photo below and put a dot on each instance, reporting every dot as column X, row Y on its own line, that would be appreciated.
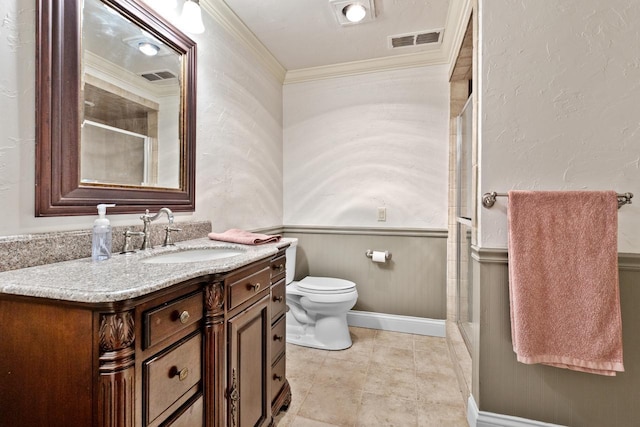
column 355, row 12
column 148, row 49
column 350, row 12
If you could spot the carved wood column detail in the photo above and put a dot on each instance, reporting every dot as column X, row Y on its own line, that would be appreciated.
column 116, row 391
column 214, row 299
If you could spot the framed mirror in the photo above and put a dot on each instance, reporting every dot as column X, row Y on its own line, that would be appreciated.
column 115, row 109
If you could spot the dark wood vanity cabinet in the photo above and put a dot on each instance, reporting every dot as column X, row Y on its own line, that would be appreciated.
column 279, row 388
column 257, row 386
column 248, row 347
column 197, row 353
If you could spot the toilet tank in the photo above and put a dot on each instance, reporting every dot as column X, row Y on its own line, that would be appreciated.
column 290, row 253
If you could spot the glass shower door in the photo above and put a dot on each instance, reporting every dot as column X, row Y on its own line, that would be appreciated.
column 464, row 218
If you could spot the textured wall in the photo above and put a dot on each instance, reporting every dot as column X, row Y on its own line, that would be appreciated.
column 239, row 133
column 353, row 144
column 559, row 83
column 559, row 89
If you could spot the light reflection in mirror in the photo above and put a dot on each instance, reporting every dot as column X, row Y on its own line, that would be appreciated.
column 130, row 133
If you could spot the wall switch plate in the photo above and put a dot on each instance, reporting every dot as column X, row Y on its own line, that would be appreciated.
column 382, row 214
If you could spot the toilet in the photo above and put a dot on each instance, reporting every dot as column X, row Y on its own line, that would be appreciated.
column 317, row 308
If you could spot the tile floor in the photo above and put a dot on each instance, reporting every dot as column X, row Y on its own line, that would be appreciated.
column 384, row 379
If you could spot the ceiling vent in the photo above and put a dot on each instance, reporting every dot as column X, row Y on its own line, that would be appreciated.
column 415, row 39
column 155, row 76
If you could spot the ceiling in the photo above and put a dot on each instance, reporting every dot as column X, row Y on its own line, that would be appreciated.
column 303, row 34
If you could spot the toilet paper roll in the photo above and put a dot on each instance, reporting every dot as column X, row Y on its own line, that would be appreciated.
column 378, row 256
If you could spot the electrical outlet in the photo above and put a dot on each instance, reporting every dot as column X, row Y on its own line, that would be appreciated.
column 382, row 214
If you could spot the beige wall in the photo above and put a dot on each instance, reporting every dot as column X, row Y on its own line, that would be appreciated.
column 502, row 385
column 412, row 283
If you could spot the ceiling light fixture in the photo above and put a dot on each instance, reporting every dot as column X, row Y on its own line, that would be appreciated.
column 354, row 12
column 191, row 18
column 350, row 12
column 148, row 49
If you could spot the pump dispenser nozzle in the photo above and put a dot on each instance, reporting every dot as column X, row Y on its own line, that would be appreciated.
column 102, row 208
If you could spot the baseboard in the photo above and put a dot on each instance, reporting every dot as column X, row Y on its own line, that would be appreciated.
column 477, row 418
column 396, row 323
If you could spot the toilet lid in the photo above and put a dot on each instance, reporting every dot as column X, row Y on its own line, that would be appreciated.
column 326, row 284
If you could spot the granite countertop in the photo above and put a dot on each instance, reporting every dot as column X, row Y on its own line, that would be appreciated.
column 124, row 276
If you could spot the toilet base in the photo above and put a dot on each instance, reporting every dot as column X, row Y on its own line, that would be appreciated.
column 328, row 333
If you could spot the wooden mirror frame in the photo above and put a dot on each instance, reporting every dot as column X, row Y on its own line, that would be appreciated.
column 58, row 67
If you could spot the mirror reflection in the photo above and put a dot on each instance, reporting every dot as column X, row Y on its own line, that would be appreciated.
column 130, row 103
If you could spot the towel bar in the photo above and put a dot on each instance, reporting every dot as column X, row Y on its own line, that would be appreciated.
column 489, row 199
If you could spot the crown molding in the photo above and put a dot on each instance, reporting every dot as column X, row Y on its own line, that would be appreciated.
column 119, row 76
column 456, row 24
column 219, row 11
column 457, row 19
column 432, row 57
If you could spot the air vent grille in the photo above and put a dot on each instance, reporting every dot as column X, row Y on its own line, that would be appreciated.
column 154, row 76
column 425, row 38
column 402, row 41
column 415, row 39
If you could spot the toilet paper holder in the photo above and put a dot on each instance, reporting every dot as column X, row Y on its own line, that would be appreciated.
column 369, row 254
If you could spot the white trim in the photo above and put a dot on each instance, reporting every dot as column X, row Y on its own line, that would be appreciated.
column 114, row 129
column 432, row 57
column 396, row 323
column 223, row 14
column 366, row 231
column 477, row 418
column 107, row 71
column 457, row 21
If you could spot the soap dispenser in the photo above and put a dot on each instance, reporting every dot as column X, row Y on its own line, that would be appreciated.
column 101, row 240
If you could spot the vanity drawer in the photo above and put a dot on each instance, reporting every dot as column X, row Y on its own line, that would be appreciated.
column 243, row 287
column 164, row 321
column 278, row 299
column 278, row 338
column 278, row 376
column 172, row 376
column 278, row 268
column 192, row 416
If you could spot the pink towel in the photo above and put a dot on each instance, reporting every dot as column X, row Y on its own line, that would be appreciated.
column 235, row 235
column 563, row 279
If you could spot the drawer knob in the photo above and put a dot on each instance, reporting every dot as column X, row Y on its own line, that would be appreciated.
column 253, row 287
column 182, row 374
column 184, row 317
column 278, row 337
column 277, row 377
column 279, row 268
column 278, row 298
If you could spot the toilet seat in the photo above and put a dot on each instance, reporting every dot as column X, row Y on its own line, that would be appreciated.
column 325, row 285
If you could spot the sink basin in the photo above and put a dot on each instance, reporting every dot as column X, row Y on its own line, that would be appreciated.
column 193, row 255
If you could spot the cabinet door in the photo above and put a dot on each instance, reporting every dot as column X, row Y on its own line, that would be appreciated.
column 249, row 366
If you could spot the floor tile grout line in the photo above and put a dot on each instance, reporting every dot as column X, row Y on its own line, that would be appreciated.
column 369, row 350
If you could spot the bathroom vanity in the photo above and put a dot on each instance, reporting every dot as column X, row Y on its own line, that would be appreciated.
column 127, row 342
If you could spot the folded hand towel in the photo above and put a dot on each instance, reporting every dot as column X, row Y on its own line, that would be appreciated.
column 235, row 235
column 563, row 279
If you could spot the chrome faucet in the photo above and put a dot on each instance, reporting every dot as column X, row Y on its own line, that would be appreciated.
column 147, row 218
column 126, row 249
